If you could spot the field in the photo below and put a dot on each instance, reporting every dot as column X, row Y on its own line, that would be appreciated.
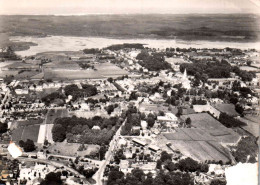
column 210, row 125
column 109, row 70
column 55, row 113
column 73, row 71
column 69, row 65
column 70, row 149
column 7, row 73
column 226, row 108
column 25, row 75
column 189, row 134
column 201, row 150
column 71, row 75
column 196, row 143
column 24, row 133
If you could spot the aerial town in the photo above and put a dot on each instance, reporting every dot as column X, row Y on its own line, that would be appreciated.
column 128, row 114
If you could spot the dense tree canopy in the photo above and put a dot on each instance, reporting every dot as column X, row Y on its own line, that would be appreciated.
column 79, row 130
column 153, row 62
column 52, row 178
column 3, row 127
column 229, row 121
column 75, row 92
column 27, row 146
column 125, row 45
column 138, row 177
column 214, row 69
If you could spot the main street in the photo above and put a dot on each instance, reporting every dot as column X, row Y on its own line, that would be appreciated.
column 109, row 154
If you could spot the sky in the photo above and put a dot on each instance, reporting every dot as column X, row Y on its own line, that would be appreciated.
column 81, row 7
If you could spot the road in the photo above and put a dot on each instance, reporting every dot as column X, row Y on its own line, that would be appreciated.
column 56, row 164
column 109, row 154
column 5, row 99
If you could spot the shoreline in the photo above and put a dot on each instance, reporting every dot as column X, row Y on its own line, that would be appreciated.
column 76, row 43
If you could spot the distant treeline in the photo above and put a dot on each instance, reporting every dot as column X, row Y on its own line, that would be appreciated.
column 235, row 27
column 125, row 45
column 91, row 51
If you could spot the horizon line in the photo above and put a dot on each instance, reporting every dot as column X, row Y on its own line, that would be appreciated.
column 84, row 14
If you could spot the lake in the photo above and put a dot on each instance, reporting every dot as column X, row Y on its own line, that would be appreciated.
column 68, row 43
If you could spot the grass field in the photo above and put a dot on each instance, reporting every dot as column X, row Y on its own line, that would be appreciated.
column 108, row 69
column 72, row 75
column 24, row 133
column 202, row 150
column 25, row 75
column 210, row 125
column 226, row 108
column 70, row 149
column 104, row 70
column 62, row 65
column 189, row 134
column 55, row 113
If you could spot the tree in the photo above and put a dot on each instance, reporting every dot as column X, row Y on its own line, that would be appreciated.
column 52, row 178
column 3, row 127
column 150, row 121
column 113, row 176
column 29, row 146
column 58, row 133
column 159, row 164
column 21, row 143
column 229, row 121
column 110, row 80
column 188, row 121
column 249, row 63
column 180, row 112
column 161, row 113
column 165, row 156
column 239, row 109
column 102, row 152
column 218, row 182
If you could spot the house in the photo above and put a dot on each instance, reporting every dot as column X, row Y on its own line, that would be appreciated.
column 124, row 166
column 21, row 91
column 154, row 148
column 95, row 127
column 168, row 117
column 137, row 141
